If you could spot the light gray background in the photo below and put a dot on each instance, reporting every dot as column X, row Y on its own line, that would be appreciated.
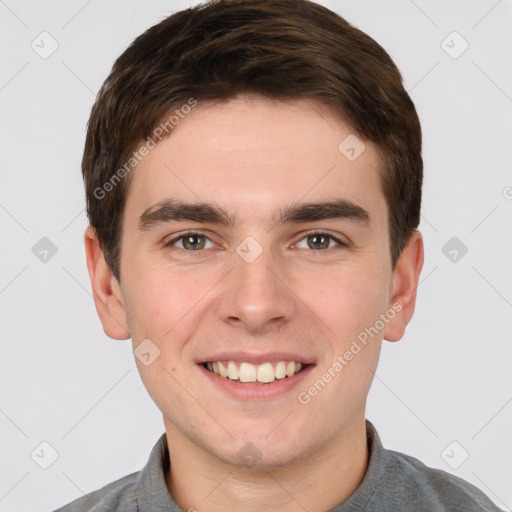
column 64, row 382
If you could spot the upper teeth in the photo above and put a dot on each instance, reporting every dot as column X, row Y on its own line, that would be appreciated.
column 247, row 372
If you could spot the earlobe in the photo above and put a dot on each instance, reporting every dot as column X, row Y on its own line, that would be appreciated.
column 405, row 283
column 107, row 294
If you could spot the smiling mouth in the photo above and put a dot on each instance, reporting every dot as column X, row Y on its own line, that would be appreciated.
column 264, row 373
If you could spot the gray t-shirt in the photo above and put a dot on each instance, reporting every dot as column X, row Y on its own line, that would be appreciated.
column 393, row 482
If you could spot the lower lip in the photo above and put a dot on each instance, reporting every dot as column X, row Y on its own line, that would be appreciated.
column 253, row 391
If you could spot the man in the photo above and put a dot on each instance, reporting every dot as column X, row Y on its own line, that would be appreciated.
column 253, row 175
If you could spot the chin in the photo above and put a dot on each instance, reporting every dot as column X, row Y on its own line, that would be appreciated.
column 259, row 454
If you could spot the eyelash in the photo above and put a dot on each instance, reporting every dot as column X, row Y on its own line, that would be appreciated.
column 199, row 251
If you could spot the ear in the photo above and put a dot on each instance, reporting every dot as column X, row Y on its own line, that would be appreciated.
column 107, row 294
column 404, row 286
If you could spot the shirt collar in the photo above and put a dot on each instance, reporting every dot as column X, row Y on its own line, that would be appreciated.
column 152, row 493
column 375, row 473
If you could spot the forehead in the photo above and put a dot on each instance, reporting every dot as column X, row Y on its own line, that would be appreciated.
column 254, row 153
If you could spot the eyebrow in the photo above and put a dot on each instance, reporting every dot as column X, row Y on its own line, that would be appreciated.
column 171, row 210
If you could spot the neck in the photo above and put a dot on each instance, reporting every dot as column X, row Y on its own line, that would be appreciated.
column 316, row 482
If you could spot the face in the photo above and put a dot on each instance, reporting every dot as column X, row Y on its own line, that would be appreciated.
column 226, row 267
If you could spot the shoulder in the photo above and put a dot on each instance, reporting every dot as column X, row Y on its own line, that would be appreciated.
column 426, row 488
column 117, row 496
column 397, row 482
column 145, row 489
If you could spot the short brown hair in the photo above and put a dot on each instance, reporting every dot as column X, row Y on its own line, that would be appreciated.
column 280, row 49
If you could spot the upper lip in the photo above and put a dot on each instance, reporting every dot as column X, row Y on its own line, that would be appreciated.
column 255, row 358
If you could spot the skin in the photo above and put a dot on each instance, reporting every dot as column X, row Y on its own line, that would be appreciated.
column 252, row 156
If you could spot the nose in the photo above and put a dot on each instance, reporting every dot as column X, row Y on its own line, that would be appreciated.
column 256, row 295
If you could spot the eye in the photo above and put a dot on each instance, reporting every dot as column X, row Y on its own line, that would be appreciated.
column 319, row 240
column 195, row 242
column 190, row 242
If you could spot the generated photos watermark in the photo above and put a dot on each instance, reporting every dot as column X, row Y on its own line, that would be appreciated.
column 159, row 133
column 342, row 360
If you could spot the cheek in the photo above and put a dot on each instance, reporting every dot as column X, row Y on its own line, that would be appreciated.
column 161, row 298
column 163, row 308
column 348, row 300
